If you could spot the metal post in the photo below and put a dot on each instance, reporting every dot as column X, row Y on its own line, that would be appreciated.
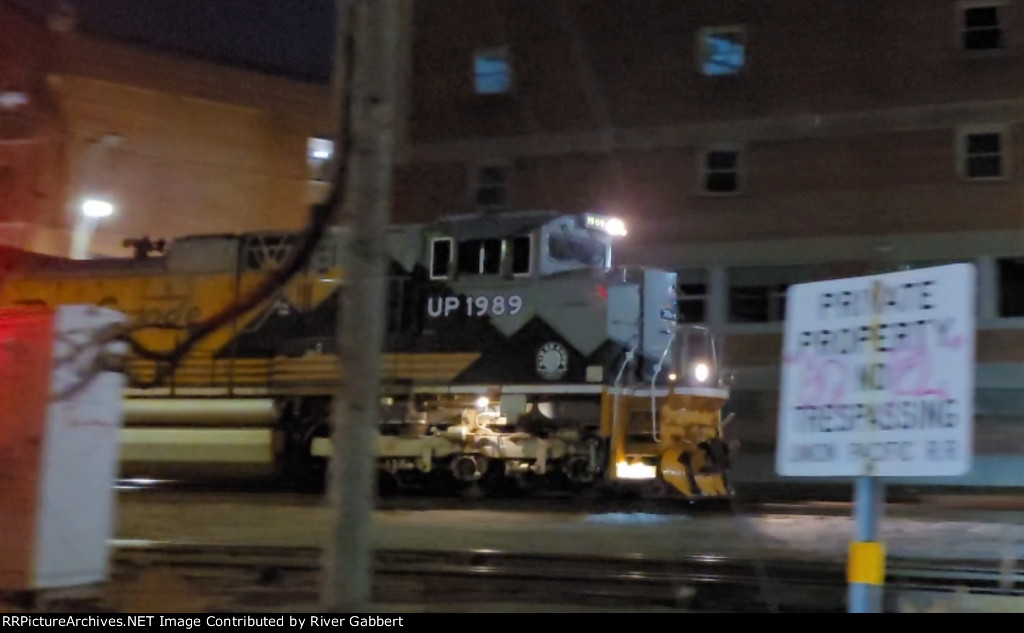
column 866, row 570
column 367, row 201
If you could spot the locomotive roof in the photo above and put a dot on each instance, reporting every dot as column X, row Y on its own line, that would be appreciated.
column 14, row 259
column 494, row 225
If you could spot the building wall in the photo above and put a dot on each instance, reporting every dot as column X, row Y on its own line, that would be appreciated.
column 198, row 148
column 181, row 146
column 846, row 115
column 31, row 158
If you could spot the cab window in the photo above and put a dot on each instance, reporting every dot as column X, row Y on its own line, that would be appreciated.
column 564, row 248
column 521, row 256
column 479, row 257
column 440, row 257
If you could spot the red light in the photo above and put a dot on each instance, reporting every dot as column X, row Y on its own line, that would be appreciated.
column 602, row 291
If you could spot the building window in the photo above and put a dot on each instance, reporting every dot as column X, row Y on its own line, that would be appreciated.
column 720, row 170
column 318, row 158
column 757, row 304
column 721, row 50
column 758, row 295
column 13, row 99
column 981, row 154
column 982, row 27
column 492, row 71
column 1011, row 287
column 490, row 189
column 691, row 296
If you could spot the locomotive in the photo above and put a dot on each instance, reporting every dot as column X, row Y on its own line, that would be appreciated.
column 516, row 357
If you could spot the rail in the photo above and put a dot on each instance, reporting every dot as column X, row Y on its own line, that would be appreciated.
column 254, row 578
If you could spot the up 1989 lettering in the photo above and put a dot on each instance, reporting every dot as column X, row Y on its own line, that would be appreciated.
column 480, row 305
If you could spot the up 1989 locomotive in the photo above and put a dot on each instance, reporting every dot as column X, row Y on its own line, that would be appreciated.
column 516, row 356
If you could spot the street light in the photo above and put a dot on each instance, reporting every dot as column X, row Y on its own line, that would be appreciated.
column 93, row 175
column 96, row 208
column 92, row 211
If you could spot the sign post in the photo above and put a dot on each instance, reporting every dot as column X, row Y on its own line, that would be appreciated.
column 878, row 382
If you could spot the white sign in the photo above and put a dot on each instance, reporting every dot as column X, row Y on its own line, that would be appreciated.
column 878, row 376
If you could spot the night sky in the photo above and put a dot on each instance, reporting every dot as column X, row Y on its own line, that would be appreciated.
column 290, row 37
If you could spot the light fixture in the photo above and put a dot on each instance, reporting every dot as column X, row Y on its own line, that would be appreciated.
column 482, row 402
column 701, row 371
column 96, row 208
column 11, row 99
column 320, row 148
column 615, row 227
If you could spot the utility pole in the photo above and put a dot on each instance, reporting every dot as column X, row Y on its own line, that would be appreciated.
column 366, row 207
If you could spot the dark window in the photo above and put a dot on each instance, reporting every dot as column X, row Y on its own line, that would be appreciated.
column 984, row 155
column 1011, row 287
column 469, row 257
column 491, row 187
column 692, row 302
column 982, row 31
column 492, row 257
column 721, row 171
column 521, row 255
column 440, row 258
column 749, row 304
column 779, row 301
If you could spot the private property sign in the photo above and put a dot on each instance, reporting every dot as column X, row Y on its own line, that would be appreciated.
column 878, row 376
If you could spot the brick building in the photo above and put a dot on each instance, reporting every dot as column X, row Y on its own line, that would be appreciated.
column 179, row 144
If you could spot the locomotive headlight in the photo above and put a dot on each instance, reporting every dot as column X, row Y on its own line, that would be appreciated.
column 482, row 402
column 701, row 371
column 672, row 377
column 615, row 227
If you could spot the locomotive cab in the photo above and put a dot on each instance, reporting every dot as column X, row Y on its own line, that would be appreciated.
column 523, row 245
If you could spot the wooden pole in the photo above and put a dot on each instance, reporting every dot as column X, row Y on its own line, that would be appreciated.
column 366, row 205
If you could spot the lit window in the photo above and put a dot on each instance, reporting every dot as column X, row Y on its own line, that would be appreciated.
column 720, row 170
column 491, row 187
column 492, row 72
column 982, row 29
column 318, row 156
column 10, row 100
column 982, row 154
column 721, row 50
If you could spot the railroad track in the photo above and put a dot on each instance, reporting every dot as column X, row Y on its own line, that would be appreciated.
column 214, row 578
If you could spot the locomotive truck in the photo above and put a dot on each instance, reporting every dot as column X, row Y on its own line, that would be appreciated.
column 516, row 356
